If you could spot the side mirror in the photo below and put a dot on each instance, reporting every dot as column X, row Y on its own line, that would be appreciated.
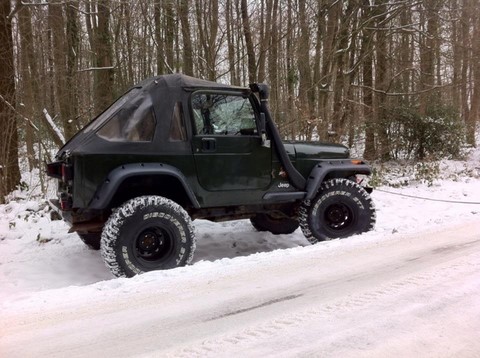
column 263, row 131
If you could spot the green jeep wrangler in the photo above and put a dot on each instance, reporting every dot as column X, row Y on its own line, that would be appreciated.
column 173, row 149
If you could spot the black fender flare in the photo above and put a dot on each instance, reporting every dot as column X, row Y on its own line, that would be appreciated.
column 341, row 168
column 110, row 185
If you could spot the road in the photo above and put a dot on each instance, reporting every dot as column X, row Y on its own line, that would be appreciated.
column 402, row 296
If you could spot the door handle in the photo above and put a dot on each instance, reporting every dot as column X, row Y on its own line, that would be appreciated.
column 209, row 144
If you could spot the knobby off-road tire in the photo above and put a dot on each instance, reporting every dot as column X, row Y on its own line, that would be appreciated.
column 340, row 209
column 264, row 222
column 147, row 233
column 91, row 239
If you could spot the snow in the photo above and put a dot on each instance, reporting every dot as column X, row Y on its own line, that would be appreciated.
column 408, row 288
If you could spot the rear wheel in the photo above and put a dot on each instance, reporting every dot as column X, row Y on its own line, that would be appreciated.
column 147, row 233
column 341, row 208
column 277, row 226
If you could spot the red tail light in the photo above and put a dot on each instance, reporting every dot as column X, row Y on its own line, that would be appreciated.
column 60, row 170
column 65, row 202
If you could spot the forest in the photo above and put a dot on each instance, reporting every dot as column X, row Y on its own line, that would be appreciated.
column 399, row 76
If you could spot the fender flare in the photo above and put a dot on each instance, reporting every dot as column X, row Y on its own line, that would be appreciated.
column 321, row 170
column 115, row 178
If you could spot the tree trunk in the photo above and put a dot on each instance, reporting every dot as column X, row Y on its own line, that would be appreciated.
column 28, row 79
column 381, row 81
column 56, row 23
column 129, row 49
column 290, row 76
column 367, row 74
column 273, row 62
column 160, row 53
column 317, row 80
column 348, row 117
column 405, row 55
column 341, row 81
column 457, row 54
column 305, row 79
column 9, row 169
column 252, row 71
column 475, row 106
column 169, row 33
column 71, row 70
column 327, row 70
column 234, row 80
column 427, row 57
column 103, row 85
column 183, row 7
column 265, row 35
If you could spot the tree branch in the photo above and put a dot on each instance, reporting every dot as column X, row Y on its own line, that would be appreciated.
column 396, row 94
column 96, row 69
column 29, row 121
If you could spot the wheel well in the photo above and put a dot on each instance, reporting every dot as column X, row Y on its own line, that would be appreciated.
column 339, row 174
column 161, row 185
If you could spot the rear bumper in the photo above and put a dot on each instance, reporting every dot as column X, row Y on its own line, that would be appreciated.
column 82, row 221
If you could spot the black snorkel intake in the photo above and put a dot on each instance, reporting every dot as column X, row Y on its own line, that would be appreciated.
column 295, row 178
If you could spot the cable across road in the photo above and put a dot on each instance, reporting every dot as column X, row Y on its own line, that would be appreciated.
column 429, row 199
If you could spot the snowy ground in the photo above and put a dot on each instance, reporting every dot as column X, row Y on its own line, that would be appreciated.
column 242, row 283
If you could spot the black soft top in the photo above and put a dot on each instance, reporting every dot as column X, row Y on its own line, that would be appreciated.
column 161, row 93
column 178, row 80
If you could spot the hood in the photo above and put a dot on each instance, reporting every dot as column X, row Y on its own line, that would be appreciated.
column 297, row 150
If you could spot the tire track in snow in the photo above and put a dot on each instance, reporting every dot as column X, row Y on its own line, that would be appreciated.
column 275, row 328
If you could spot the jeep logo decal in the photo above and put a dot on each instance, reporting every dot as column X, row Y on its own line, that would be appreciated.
column 284, row 185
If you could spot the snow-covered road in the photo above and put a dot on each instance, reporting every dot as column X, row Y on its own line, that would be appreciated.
column 404, row 296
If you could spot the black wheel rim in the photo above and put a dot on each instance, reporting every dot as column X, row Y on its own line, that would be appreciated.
column 338, row 216
column 154, row 245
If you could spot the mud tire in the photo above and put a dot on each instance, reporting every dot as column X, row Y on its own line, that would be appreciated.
column 147, row 233
column 341, row 208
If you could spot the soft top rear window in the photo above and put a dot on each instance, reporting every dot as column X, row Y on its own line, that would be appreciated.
column 110, row 111
column 133, row 122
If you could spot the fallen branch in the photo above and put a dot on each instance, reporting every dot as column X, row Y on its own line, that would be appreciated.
column 96, row 69
column 57, row 134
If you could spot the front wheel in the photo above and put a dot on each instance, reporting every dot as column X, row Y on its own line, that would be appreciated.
column 341, row 208
column 147, row 233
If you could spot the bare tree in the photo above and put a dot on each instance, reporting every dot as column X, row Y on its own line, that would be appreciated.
column 381, row 80
column 305, row 79
column 354, row 69
column 29, row 74
column 183, row 9
column 9, row 169
column 367, row 73
column 247, row 32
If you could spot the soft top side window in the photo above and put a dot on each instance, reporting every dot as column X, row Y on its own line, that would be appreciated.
column 223, row 114
column 134, row 122
column 178, row 132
